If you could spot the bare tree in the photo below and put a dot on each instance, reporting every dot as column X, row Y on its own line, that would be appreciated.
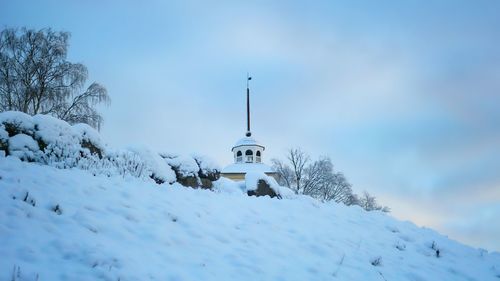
column 35, row 77
column 316, row 175
column 369, row 203
column 322, row 182
column 285, row 174
column 298, row 160
column 338, row 189
column 352, row 199
column 317, row 179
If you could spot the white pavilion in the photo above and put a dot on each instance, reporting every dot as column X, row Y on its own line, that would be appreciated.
column 248, row 154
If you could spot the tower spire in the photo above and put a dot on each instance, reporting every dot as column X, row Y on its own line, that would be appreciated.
column 249, row 133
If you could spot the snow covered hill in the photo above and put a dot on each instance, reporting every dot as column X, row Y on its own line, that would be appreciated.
column 67, row 224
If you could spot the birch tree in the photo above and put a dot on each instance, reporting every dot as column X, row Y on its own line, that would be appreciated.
column 36, row 77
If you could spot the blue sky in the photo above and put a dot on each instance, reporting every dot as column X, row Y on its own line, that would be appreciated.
column 404, row 96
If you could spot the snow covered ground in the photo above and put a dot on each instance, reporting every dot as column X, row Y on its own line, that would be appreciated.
column 67, row 224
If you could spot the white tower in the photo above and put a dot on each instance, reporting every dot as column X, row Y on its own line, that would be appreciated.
column 248, row 153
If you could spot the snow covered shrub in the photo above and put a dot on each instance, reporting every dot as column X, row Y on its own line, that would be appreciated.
column 196, row 171
column 23, row 147
column 4, row 138
column 185, row 168
column 57, row 209
column 138, row 162
column 208, row 172
column 45, row 139
column 123, row 163
column 376, row 261
column 28, row 199
column 57, row 140
column 15, row 122
column 12, row 124
column 157, row 168
column 89, row 139
column 436, row 249
column 400, row 246
column 207, row 168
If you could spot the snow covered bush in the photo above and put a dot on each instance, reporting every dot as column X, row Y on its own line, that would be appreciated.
column 208, row 168
column 195, row 171
column 23, row 146
column 184, row 167
column 376, row 261
column 159, row 171
column 47, row 140
column 400, row 246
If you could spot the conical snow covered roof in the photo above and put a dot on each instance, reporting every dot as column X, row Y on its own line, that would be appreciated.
column 247, row 141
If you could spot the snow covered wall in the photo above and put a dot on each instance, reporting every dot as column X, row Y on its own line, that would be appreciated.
column 47, row 140
column 67, row 224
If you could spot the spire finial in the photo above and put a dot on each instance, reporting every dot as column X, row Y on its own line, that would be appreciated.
column 249, row 133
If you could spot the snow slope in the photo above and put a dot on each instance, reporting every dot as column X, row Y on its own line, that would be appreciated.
column 67, row 224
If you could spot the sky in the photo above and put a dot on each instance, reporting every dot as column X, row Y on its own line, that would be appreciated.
column 404, row 96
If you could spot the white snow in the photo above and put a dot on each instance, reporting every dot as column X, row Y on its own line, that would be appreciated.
column 4, row 136
column 23, row 146
column 61, row 141
column 225, row 185
column 53, row 130
column 21, row 120
column 185, row 165
column 207, row 164
column 157, row 165
column 88, row 133
column 247, row 167
column 128, row 228
column 247, row 141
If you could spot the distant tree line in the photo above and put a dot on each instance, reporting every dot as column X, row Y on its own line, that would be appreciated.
column 319, row 180
column 36, row 77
